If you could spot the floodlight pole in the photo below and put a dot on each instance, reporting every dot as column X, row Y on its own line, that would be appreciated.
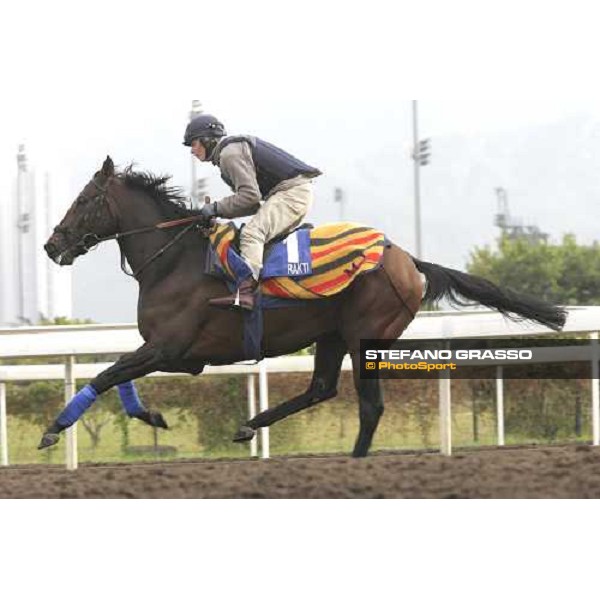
column 196, row 110
column 340, row 199
column 415, row 156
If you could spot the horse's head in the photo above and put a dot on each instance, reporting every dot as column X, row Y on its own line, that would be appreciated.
column 89, row 218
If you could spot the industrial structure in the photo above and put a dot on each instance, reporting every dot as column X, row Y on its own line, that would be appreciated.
column 513, row 228
column 33, row 287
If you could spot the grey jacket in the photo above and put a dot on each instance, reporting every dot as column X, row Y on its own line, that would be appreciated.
column 236, row 162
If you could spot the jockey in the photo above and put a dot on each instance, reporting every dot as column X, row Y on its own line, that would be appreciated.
column 256, row 171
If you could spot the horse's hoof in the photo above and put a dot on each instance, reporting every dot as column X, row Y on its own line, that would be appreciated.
column 48, row 439
column 154, row 419
column 244, row 434
column 158, row 420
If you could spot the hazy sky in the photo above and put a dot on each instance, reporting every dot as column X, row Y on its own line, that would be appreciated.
column 87, row 77
column 329, row 81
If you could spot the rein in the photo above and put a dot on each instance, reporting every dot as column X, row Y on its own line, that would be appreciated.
column 91, row 240
column 163, row 225
column 163, row 249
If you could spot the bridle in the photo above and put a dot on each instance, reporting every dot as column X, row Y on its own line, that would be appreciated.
column 90, row 240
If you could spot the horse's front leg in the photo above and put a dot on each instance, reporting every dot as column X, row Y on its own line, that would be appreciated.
column 144, row 360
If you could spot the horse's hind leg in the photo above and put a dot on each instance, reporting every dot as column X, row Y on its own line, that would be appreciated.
column 329, row 355
column 381, row 306
column 370, row 402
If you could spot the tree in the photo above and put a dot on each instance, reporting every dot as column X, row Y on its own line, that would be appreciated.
column 64, row 321
column 94, row 422
column 565, row 273
column 37, row 402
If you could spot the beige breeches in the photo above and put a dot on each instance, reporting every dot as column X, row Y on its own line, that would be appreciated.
column 281, row 213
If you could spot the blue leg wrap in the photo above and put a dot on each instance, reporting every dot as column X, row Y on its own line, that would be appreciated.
column 80, row 402
column 129, row 397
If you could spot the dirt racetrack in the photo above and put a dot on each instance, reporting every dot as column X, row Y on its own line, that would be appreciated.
column 532, row 472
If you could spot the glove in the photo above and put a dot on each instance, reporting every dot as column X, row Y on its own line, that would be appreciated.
column 209, row 210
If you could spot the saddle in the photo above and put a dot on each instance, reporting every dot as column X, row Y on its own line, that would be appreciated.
column 309, row 263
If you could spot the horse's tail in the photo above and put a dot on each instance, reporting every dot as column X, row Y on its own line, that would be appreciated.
column 456, row 287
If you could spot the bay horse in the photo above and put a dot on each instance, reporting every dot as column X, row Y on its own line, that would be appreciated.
column 161, row 242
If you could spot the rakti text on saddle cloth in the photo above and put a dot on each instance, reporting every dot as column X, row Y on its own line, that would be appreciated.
column 291, row 257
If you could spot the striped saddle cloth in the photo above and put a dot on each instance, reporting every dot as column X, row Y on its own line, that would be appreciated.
column 309, row 263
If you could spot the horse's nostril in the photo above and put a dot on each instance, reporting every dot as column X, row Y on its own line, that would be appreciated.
column 51, row 250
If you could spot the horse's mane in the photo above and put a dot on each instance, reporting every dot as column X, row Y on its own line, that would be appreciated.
column 170, row 199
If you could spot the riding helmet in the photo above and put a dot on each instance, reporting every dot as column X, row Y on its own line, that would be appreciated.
column 203, row 127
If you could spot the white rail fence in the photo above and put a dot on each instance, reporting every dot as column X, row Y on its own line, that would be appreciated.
column 70, row 342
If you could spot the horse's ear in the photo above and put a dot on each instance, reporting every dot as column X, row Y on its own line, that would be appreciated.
column 108, row 168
